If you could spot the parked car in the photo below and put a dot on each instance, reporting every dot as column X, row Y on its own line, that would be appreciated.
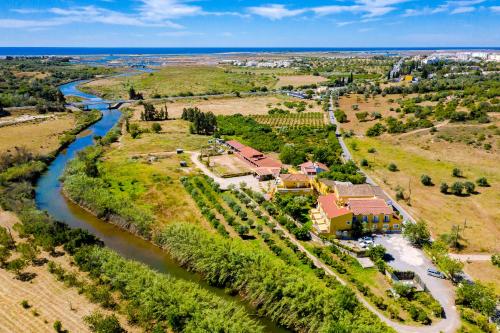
column 435, row 273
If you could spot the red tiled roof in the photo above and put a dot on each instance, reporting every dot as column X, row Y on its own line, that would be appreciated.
column 313, row 165
column 368, row 206
column 297, row 177
column 329, row 206
column 268, row 162
column 235, row 144
column 249, row 152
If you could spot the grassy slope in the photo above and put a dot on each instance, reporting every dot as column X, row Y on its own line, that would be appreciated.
column 154, row 186
column 417, row 156
column 180, row 79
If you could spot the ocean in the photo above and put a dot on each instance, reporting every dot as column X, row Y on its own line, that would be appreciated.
column 95, row 51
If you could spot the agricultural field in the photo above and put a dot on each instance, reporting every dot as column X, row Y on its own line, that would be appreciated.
column 180, row 80
column 249, row 105
column 422, row 152
column 40, row 136
column 48, row 299
column 294, row 120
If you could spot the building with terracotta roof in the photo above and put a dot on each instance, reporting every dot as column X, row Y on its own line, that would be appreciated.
column 333, row 216
column 313, row 168
column 263, row 166
column 295, row 183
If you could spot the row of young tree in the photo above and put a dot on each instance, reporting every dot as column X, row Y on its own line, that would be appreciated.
column 293, row 299
column 204, row 123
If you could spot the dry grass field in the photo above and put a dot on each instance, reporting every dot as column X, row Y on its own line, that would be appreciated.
column 50, row 299
column 227, row 165
column 230, row 105
column 485, row 272
column 299, row 80
column 40, row 137
column 423, row 153
column 377, row 104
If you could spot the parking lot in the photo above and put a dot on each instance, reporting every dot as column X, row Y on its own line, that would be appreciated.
column 405, row 257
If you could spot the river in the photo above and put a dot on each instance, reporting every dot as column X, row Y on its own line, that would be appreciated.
column 49, row 198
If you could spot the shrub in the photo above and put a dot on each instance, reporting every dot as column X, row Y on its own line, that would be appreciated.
column 58, row 326
column 470, row 188
column 495, row 259
column 456, row 172
column 478, row 297
column 372, row 150
column 426, row 180
column 25, row 304
column 156, row 128
column 483, row 182
column 100, row 323
column 376, row 130
column 457, row 188
column 392, row 167
column 364, row 162
column 443, row 188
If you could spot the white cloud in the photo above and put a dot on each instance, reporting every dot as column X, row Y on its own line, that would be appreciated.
column 453, row 7
column 274, row 11
column 158, row 10
column 179, row 34
column 370, row 8
column 495, row 9
column 462, row 10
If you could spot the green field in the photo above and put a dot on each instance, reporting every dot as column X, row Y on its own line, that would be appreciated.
column 181, row 80
column 313, row 119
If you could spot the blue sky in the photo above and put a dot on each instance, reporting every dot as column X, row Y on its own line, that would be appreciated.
column 240, row 23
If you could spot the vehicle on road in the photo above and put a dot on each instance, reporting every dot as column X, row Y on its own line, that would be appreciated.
column 435, row 273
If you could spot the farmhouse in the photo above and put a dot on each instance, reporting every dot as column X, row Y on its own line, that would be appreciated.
column 312, row 168
column 263, row 166
column 295, row 183
column 331, row 216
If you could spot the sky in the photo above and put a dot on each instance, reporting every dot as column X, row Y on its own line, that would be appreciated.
column 245, row 23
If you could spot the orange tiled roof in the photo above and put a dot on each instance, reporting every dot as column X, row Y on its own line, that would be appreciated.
column 249, row 152
column 235, row 144
column 297, row 177
column 329, row 205
column 313, row 165
column 368, row 206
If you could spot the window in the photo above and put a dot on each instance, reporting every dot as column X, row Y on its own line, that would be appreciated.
column 386, row 218
column 365, row 218
column 375, row 218
column 395, row 226
column 348, row 223
column 354, row 219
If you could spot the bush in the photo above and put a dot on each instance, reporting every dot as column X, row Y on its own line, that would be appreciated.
column 392, row 167
column 25, row 304
column 58, row 326
column 483, row 182
column 372, row 150
column 426, row 180
column 100, row 323
column 456, row 173
column 470, row 188
column 443, row 188
column 457, row 188
column 495, row 259
column 156, row 128
column 478, row 297
column 364, row 162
